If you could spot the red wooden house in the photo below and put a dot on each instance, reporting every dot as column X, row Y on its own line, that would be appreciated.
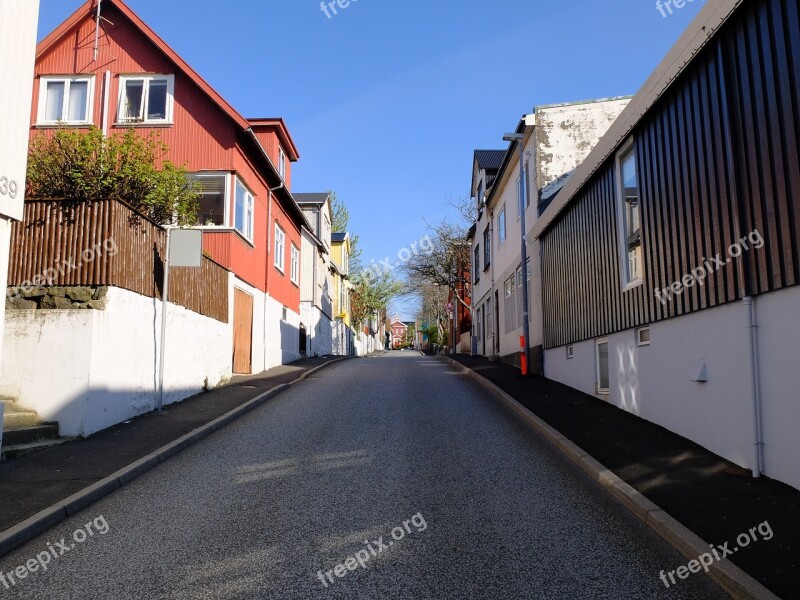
column 115, row 73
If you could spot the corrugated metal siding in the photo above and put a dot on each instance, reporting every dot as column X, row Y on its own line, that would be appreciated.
column 107, row 243
column 717, row 159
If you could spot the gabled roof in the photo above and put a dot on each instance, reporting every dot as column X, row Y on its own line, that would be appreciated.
column 88, row 9
column 316, row 199
column 489, row 159
column 245, row 127
column 697, row 35
column 281, row 130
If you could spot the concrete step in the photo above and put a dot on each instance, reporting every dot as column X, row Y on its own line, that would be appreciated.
column 17, row 417
column 27, row 435
column 22, row 449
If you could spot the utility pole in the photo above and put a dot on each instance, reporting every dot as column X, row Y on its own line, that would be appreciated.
column 519, row 138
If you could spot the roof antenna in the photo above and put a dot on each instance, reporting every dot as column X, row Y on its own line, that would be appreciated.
column 97, row 32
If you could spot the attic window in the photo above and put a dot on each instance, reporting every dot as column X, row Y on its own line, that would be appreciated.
column 146, row 99
column 66, row 100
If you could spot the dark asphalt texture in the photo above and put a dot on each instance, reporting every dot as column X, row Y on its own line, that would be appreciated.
column 330, row 468
column 713, row 497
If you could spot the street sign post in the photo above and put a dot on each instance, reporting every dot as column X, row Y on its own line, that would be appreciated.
column 184, row 248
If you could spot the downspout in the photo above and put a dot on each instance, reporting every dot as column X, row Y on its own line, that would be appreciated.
column 758, row 435
column 742, row 273
column 106, row 94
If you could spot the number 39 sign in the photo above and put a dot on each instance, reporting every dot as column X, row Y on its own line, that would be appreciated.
column 17, row 51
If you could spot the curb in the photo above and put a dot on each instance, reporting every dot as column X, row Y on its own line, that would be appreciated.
column 728, row 576
column 45, row 519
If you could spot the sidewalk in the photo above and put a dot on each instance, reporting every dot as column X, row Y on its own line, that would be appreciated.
column 714, row 498
column 35, row 482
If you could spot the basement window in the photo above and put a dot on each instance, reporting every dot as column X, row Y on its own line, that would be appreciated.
column 570, row 352
column 643, row 336
column 146, row 99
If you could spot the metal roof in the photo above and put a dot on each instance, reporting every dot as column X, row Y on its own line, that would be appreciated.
column 489, row 159
column 313, row 198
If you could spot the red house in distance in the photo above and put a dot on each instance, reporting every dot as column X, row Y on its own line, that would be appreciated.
column 121, row 75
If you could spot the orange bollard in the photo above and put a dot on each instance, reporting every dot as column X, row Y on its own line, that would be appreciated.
column 523, row 360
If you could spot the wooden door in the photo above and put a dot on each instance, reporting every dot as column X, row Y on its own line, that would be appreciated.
column 242, row 332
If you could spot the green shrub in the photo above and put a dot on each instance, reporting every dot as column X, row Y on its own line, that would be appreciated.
column 82, row 165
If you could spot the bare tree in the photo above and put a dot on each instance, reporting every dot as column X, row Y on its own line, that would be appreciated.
column 446, row 265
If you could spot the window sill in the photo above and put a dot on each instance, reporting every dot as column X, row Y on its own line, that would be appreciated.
column 65, row 124
column 279, row 270
column 632, row 285
column 150, row 124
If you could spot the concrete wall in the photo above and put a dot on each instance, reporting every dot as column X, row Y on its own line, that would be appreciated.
column 320, row 330
column 565, row 134
column 90, row 369
column 655, row 382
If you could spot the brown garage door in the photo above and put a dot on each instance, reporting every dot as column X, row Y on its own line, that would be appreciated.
column 242, row 332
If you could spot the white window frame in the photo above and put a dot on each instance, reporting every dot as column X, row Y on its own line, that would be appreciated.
column 282, row 163
column 249, row 210
column 280, row 248
column 143, row 120
column 67, row 80
column 598, row 343
column 639, row 341
column 570, row 352
column 227, row 208
column 294, row 271
column 627, row 281
column 502, row 232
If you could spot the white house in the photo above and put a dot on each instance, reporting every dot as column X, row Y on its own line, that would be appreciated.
column 556, row 140
column 316, row 304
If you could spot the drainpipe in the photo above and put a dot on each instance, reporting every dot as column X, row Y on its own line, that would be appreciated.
column 106, row 94
column 742, row 266
column 758, row 435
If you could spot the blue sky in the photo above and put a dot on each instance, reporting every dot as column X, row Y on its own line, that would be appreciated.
column 388, row 99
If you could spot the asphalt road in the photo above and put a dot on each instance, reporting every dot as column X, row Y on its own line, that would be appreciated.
column 394, row 462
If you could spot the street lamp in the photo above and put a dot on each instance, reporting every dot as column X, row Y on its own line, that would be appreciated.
column 526, row 352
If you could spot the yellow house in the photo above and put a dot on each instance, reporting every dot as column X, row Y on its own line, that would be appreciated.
column 340, row 292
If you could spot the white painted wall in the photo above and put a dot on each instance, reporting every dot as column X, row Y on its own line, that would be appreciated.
column 778, row 332
column 655, row 382
column 281, row 338
column 90, row 369
column 18, row 21
column 320, row 329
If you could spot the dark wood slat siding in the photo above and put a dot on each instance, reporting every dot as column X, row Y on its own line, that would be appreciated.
column 53, row 236
column 718, row 157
